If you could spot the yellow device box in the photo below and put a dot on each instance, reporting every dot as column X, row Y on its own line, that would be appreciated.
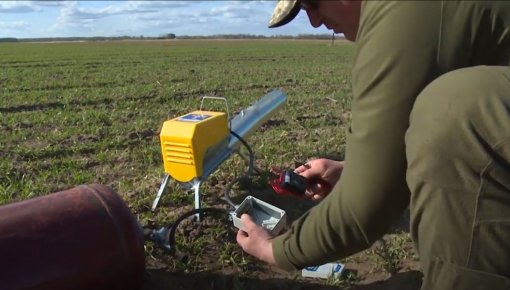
column 185, row 140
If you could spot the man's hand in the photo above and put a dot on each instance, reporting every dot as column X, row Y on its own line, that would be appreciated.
column 322, row 175
column 255, row 240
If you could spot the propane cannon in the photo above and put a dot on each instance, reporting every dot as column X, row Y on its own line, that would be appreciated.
column 195, row 144
column 82, row 238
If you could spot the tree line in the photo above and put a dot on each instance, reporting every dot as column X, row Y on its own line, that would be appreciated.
column 171, row 36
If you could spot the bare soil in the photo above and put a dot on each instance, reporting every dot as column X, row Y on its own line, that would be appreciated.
column 165, row 280
column 367, row 270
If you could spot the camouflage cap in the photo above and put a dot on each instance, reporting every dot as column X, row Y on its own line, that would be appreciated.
column 284, row 12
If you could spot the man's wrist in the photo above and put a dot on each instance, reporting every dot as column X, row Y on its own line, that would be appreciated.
column 269, row 256
column 279, row 254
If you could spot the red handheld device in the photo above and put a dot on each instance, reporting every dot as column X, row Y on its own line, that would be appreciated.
column 288, row 182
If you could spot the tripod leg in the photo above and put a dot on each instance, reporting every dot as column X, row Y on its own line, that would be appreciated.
column 160, row 191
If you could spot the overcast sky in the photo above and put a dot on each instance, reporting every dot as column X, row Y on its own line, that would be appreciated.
column 32, row 19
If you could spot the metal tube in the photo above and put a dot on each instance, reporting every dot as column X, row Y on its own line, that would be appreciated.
column 244, row 124
column 81, row 238
column 251, row 118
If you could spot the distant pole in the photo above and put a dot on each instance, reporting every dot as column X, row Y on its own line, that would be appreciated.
column 333, row 39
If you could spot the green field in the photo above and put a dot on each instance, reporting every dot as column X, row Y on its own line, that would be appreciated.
column 91, row 112
column 74, row 113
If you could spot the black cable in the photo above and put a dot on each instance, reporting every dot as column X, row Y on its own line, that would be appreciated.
column 249, row 172
column 165, row 237
column 250, row 152
column 173, row 227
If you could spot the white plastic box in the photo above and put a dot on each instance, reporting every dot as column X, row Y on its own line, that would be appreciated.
column 263, row 214
column 323, row 271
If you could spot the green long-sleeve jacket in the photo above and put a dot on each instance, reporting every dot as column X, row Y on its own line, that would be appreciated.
column 401, row 47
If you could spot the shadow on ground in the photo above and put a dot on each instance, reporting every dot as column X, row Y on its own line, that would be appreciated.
column 161, row 280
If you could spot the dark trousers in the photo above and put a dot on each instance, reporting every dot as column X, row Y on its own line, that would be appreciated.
column 458, row 153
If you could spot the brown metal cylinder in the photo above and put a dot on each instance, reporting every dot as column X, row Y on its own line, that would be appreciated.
column 81, row 238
